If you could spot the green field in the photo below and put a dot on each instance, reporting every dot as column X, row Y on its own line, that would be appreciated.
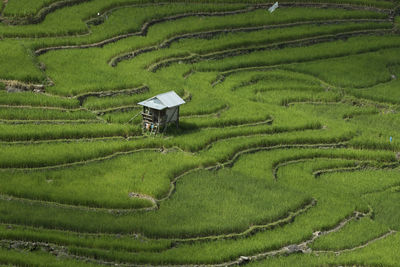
column 287, row 151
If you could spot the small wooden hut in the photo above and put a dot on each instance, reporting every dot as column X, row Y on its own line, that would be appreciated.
column 160, row 110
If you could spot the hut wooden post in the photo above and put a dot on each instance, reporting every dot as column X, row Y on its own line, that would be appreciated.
column 177, row 120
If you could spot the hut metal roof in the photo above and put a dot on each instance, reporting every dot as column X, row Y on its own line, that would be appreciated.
column 163, row 101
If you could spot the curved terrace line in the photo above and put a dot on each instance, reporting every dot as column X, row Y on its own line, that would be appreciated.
column 121, row 138
column 338, row 252
column 109, row 93
column 5, row 2
column 144, row 29
column 42, row 107
column 293, row 102
column 114, row 134
column 48, row 122
column 279, row 222
column 72, row 140
column 361, row 165
column 373, row 103
column 316, row 174
column 156, row 202
column 145, row 26
column 42, row 13
column 279, row 45
column 45, row 10
column 223, row 74
column 393, row 188
column 117, row 109
column 302, row 247
column 208, row 34
column 158, row 148
column 216, row 113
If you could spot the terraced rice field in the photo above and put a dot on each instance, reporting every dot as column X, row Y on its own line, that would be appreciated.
column 287, row 152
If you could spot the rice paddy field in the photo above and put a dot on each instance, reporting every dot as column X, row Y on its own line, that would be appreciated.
column 287, row 151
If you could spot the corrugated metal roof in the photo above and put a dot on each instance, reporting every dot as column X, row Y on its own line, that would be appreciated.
column 162, row 101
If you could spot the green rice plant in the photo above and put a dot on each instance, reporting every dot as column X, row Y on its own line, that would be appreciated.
column 155, row 188
column 56, row 153
column 383, row 92
column 248, row 84
column 340, row 73
column 265, row 87
column 16, row 257
column 286, row 97
column 203, row 107
column 47, row 154
column 77, row 14
column 205, row 217
column 35, row 99
column 10, row 113
column 385, row 205
column 256, row 171
column 377, row 130
column 224, row 120
column 369, row 254
column 355, row 233
column 25, row 8
column 129, row 243
column 355, row 45
column 133, row 116
column 241, row 244
column 121, row 176
column 70, row 20
column 17, row 63
column 113, row 24
column 377, row 253
column 120, row 77
column 299, row 154
column 68, row 131
column 163, row 35
column 56, row 23
column 253, row 38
